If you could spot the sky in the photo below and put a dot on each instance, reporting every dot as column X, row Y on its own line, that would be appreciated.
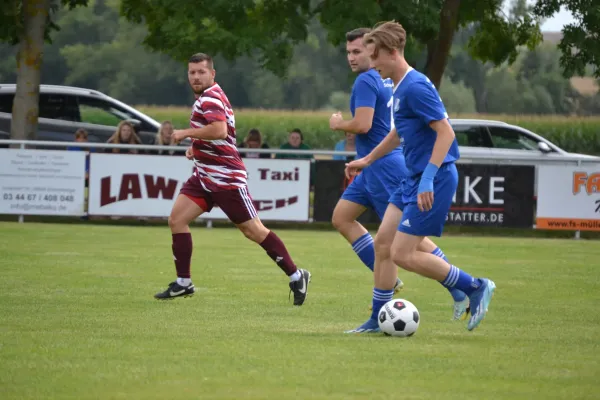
column 556, row 23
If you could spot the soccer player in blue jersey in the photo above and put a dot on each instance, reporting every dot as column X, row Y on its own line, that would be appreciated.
column 430, row 151
column 370, row 105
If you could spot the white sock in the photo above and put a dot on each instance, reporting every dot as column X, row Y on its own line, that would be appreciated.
column 184, row 281
column 295, row 276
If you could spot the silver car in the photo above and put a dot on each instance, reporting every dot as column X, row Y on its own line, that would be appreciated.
column 64, row 109
column 497, row 140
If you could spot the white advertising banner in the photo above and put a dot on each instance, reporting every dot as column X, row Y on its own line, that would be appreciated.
column 569, row 198
column 146, row 186
column 42, row 182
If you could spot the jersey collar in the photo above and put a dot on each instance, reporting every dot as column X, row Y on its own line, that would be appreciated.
column 407, row 72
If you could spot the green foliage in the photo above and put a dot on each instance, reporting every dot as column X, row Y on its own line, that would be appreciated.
column 570, row 133
column 534, row 84
column 579, row 45
column 504, row 91
column 457, row 97
column 498, row 40
column 268, row 30
column 98, row 50
column 265, row 29
column 339, row 101
column 12, row 18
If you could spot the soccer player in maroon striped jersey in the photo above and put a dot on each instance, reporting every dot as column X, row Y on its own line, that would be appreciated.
column 219, row 178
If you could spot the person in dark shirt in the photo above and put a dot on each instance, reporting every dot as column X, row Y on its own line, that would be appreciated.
column 295, row 142
column 254, row 141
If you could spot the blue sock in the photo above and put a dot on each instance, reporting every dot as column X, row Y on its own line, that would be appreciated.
column 380, row 297
column 439, row 253
column 455, row 293
column 461, row 280
column 363, row 247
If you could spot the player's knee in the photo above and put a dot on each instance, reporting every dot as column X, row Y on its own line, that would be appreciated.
column 254, row 232
column 382, row 247
column 247, row 231
column 176, row 223
column 338, row 221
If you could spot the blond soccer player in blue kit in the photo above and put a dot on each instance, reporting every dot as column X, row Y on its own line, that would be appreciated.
column 371, row 109
column 430, row 151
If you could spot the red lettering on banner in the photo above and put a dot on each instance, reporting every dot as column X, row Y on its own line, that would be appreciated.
column 268, row 174
column 167, row 191
column 130, row 185
column 105, row 197
column 265, row 205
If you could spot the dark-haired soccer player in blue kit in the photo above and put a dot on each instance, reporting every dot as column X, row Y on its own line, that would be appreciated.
column 370, row 105
column 430, row 150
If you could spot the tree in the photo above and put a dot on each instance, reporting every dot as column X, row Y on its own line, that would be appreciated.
column 464, row 68
column 580, row 44
column 540, row 69
column 505, row 94
column 27, row 24
column 457, row 97
column 268, row 30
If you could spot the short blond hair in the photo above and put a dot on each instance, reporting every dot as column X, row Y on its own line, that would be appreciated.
column 388, row 35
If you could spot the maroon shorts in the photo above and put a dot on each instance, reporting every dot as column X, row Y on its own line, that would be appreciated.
column 235, row 203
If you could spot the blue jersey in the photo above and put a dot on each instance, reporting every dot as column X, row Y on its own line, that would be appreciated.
column 370, row 90
column 416, row 104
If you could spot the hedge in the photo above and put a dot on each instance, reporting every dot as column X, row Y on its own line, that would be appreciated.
column 574, row 134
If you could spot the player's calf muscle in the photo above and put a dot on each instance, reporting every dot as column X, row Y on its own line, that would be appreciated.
column 344, row 220
column 405, row 259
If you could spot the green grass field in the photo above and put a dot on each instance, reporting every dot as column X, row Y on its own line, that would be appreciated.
column 78, row 320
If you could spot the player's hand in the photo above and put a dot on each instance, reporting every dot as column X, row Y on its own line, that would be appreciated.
column 179, row 135
column 335, row 120
column 353, row 168
column 189, row 153
column 425, row 196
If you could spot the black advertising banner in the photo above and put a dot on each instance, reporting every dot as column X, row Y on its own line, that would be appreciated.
column 330, row 183
column 493, row 195
column 487, row 195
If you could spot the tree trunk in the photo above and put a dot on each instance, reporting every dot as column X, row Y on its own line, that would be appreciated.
column 437, row 56
column 29, row 62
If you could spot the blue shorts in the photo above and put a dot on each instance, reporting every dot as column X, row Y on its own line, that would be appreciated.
column 373, row 187
column 427, row 223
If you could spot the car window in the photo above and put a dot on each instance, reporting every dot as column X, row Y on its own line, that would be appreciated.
column 101, row 112
column 6, row 102
column 473, row 136
column 58, row 106
column 504, row 138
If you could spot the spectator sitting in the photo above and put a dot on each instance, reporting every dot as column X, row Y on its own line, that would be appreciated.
column 295, row 142
column 81, row 136
column 125, row 134
column 254, row 141
column 164, row 137
column 346, row 144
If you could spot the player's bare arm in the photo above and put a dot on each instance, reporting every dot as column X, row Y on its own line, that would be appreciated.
column 388, row 144
column 443, row 141
column 445, row 137
column 360, row 124
column 213, row 131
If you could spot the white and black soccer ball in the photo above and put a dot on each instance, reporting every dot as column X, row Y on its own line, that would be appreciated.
column 399, row 317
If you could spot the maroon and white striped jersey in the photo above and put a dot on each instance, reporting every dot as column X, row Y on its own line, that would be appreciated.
column 218, row 164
